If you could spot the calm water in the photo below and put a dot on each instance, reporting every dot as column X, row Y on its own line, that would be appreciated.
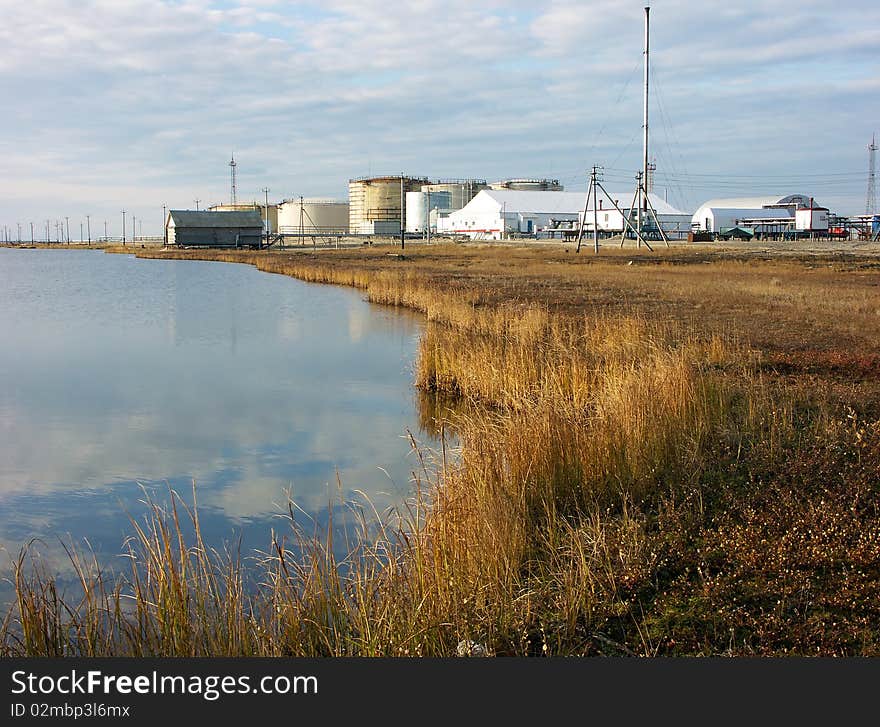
column 118, row 374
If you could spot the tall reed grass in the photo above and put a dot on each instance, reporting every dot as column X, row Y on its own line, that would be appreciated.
column 591, row 454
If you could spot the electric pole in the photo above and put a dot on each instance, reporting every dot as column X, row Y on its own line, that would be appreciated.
column 164, row 227
column 67, row 220
column 402, row 203
column 32, row 233
column 197, row 204
column 266, row 192
column 871, row 198
column 89, row 229
column 123, row 228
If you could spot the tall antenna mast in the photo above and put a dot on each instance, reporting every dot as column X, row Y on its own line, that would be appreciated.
column 643, row 202
column 871, row 199
column 232, row 166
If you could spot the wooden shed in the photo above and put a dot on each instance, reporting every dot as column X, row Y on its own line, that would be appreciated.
column 240, row 228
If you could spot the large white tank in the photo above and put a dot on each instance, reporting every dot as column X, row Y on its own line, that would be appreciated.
column 417, row 207
column 528, row 185
column 313, row 216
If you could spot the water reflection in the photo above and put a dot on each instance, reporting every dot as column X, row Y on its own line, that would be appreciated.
column 119, row 373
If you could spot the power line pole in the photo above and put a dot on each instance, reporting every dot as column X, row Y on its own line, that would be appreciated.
column 123, row 228
column 871, row 199
column 266, row 192
column 67, row 220
column 402, row 202
column 32, row 233
column 19, row 233
column 164, row 227
column 105, row 231
column 81, row 240
column 89, row 229
column 47, row 232
column 644, row 186
column 197, row 204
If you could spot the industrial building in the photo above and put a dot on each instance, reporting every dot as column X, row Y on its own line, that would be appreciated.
column 376, row 204
column 270, row 222
column 495, row 214
column 313, row 216
column 675, row 223
column 188, row 228
column 793, row 213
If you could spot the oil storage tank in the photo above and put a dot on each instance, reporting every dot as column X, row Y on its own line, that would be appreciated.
column 313, row 216
column 375, row 203
column 461, row 191
column 417, row 206
column 528, row 185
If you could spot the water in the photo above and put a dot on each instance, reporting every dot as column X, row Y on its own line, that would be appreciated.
column 120, row 377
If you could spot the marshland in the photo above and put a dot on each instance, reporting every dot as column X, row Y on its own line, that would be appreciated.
column 667, row 453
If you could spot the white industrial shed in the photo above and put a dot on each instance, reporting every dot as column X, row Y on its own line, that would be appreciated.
column 721, row 214
column 492, row 214
column 674, row 221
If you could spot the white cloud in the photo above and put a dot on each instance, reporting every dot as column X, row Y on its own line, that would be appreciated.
column 152, row 97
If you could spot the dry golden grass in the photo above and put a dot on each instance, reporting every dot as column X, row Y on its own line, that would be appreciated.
column 629, row 453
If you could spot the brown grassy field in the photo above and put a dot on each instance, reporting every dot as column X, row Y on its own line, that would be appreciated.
column 663, row 453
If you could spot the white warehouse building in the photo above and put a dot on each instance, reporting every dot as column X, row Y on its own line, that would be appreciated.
column 493, row 214
column 718, row 215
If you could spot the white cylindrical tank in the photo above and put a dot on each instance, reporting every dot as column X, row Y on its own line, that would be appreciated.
column 313, row 216
column 417, row 205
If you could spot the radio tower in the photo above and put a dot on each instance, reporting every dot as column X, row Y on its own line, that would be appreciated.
column 232, row 166
column 871, row 200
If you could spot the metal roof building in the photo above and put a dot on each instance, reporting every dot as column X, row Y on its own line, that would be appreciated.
column 492, row 214
column 721, row 214
column 188, row 228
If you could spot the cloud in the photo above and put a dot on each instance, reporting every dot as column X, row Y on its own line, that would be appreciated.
column 140, row 103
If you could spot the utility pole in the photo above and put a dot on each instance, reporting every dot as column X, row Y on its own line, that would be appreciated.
column 32, row 233
column 197, row 204
column 123, row 228
column 67, row 221
column 19, row 233
column 871, row 198
column 595, row 180
column 89, row 229
column 105, row 231
column 133, row 229
column 47, row 232
column 266, row 192
column 164, row 227
column 428, row 226
column 81, row 239
column 402, row 202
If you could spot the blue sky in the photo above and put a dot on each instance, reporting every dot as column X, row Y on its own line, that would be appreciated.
column 114, row 104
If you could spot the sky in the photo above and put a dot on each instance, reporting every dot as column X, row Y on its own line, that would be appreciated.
column 135, row 104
